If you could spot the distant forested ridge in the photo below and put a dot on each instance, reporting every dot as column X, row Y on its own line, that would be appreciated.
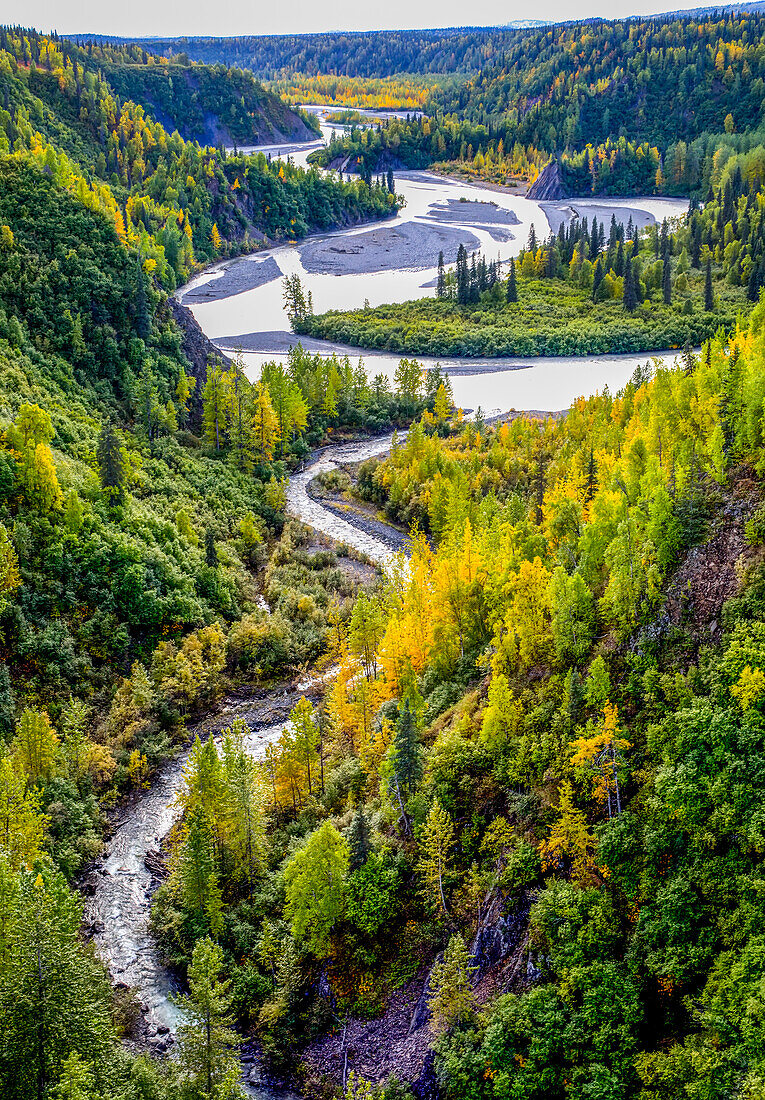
column 350, row 53
column 635, row 106
column 655, row 79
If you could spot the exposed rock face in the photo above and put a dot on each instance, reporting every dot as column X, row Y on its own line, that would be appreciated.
column 708, row 575
column 500, row 943
column 197, row 349
column 400, row 1041
column 548, row 185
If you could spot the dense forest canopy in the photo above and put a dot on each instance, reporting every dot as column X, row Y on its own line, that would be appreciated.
column 178, row 202
column 633, row 106
column 511, row 847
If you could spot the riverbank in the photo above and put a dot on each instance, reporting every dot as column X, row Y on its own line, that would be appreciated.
column 119, row 886
column 235, row 277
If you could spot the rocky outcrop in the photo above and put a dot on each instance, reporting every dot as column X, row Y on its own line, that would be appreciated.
column 400, row 1041
column 197, row 349
column 549, row 185
column 709, row 575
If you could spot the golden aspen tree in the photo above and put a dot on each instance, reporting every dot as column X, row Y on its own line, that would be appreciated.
column 22, row 825
column 503, row 715
column 434, row 864
column 570, row 838
column 10, row 578
column 264, row 424
column 29, row 437
column 34, row 746
column 601, row 751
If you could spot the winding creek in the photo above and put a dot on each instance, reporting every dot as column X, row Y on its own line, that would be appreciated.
column 117, row 907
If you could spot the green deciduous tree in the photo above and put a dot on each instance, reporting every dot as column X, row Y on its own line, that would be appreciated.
column 436, row 847
column 315, row 888
column 184, row 388
column 207, row 1043
column 451, row 998
column 214, row 403
column 34, row 746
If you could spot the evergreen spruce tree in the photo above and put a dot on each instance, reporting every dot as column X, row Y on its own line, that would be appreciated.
column 7, row 702
column 111, row 462
column 630, row 296
column 690, row 362
column 512, row 286
column 695, row 244
column 359, row 838
column 753, row 285
column 592, row 477
column 211, row 551
column 463, row 276
column 142, row 314
column 406, row 752
column 594, row 239
column 597, row 279
column 405, row 762
column 619, row 260
column 441, row 281
column 666, row 282
column 709, row 300
column 473, row 288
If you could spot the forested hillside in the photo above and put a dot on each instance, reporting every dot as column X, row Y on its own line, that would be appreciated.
column 139, row 498
column 211, row 105
column 357, row 53
column 539, row 758
column 510, row 847
column 177, row 202
column 627, row 107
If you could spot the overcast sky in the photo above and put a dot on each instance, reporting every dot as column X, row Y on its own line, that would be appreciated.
column 154, row 17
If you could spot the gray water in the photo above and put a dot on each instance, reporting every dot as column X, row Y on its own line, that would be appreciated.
column 118, row 909
column 257, row 318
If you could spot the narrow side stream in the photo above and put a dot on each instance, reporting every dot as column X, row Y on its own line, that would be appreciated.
column 117, row 910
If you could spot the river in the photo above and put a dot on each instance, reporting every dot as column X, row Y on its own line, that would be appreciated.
column 255, row 319
column 118, row 906
column 117, row 909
